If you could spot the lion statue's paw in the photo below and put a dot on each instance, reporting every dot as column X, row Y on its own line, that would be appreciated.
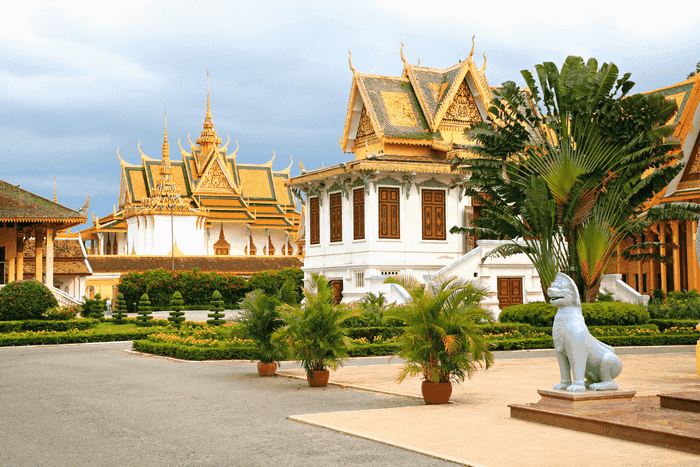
column 576, row 388
column 604, row 386
column 560, row 386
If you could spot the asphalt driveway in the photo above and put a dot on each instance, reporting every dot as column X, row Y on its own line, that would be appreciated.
column 95, row 405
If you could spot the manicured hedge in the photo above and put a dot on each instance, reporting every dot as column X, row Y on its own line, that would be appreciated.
column 596, row 314
column 369, row 333
column 197, row 287
column 41, row 325
column 190, row 352
column 606, row 330
column 68, row 337
column 674, row 323
column 615, row 341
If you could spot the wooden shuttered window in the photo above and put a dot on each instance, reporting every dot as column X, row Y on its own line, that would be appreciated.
column 314, row 222
column 389, row 213
column 433, row 207
column 358, row 213
column 336, row 217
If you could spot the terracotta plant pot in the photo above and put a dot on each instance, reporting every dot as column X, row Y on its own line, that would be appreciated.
column 318, row 378
column 267, row 369
column 436, row 393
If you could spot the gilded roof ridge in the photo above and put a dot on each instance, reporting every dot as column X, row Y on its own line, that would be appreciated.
column 682, row 83
column 371, row 75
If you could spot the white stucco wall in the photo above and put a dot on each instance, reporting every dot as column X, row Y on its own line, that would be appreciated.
column 373, row 256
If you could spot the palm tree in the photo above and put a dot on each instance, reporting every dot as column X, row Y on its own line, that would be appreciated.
column 441, row 340
column 567, row 173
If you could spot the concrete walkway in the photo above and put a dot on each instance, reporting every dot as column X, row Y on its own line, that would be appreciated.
column 476, row 428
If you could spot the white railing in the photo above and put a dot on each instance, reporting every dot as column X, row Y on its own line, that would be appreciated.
column 63, row 298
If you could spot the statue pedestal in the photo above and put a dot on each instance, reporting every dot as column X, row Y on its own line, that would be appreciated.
column 587, row 400
column 668, row 420
column 697, row 354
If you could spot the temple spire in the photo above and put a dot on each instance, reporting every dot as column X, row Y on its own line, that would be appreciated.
column 165, row 186
column 166, row 146
column 208, row 139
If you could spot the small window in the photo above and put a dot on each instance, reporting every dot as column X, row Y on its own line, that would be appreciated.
column 389, row 273
column 644, row 283
column 359, row 280
column 314, row 222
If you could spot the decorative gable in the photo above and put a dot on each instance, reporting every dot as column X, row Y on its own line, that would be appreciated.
column 463, row 108
column 215, row 179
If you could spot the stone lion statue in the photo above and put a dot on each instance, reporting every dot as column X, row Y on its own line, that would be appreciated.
column 579, row 353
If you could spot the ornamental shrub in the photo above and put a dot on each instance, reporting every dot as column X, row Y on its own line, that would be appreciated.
column 119, row 312
column 217, row 306
column 176, row 315
column 595, row 314
column 94, row 307
column 21, row 300
column 676, row 306
column 144, row 311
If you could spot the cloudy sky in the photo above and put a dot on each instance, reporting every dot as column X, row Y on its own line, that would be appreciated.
column 78, row 80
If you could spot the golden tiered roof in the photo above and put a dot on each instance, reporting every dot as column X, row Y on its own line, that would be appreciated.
column 686, row 186
column 425, row 107
column 208, row 182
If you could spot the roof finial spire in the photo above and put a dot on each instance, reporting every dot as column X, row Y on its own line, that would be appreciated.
column 350, row 61
column 166, row 145
column 473, row 46
column 483, row 67
column 55, row 198
column 208, row 107
column 403, row 57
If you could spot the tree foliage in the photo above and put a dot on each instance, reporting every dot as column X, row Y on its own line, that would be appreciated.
column 441, row 340
column 567, row 167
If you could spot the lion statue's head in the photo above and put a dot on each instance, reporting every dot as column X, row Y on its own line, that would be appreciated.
column 563, row 291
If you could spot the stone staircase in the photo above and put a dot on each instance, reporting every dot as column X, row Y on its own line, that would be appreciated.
column 64, row 299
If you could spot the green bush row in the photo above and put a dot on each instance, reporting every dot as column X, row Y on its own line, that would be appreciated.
column 13, row 340
column 41, row 325
column 607, row 330
column 197, row 287
column 674, row 323
column 190, row 352
column 369, row 333
column 615, row 341
column 595, row 314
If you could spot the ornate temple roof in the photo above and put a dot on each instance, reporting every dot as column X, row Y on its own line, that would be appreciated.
column 207, row 182
column 686, row 186
column 424, row 106
column 68, row 258
column 20, row 205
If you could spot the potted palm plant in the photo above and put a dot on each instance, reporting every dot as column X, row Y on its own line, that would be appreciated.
column 260, row 319
column 441, row 341
column 313, row 332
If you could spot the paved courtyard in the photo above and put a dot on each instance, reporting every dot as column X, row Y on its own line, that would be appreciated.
column 97, row 405
column 101, row 404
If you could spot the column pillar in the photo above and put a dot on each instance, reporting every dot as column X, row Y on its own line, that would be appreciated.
column 20, row 256
column 50, row 233
column 676, row 257
column 39, row 254
column 690, row 232
column 11, row 270
column 662, row 264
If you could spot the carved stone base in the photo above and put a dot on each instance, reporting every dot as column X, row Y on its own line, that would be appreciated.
column 618, row 414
